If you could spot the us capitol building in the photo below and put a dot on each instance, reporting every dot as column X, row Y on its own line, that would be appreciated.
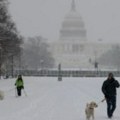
column 73, row 49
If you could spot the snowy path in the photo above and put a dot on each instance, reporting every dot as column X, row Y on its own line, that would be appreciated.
column 49, row 99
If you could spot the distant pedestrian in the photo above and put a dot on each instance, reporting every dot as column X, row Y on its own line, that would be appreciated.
column 1, row 95
column 109, row 90
column 19, row 85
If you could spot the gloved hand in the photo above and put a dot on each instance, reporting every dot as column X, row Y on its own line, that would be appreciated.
column 107, row 96
column 22, row 87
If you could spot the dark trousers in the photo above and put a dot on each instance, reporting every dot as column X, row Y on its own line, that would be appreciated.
column 111, row 105
column 19, row 91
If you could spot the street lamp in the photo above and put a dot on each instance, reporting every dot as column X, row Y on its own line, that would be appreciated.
column 41, row 62
column 59, row 72
column 0, row 61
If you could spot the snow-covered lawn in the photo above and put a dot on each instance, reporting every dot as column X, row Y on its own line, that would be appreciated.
column 50, row 99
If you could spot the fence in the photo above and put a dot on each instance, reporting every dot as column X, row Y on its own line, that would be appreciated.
column 67, row 73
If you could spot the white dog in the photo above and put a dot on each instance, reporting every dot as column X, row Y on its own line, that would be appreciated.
column 1, row 95
column 89, row 111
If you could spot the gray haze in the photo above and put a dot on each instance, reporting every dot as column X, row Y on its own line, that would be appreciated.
column 44, row 17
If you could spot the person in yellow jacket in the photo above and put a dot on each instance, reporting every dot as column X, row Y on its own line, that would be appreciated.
column 19, row 85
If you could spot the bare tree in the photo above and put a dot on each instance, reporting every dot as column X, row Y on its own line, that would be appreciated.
column 111, row 58
column 36, row 55
column 10, row 40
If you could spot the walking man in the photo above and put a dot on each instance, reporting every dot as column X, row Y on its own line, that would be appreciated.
column 109, row 90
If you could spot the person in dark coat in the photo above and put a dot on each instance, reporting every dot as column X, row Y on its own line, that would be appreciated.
column 19, row 85
column 109, row 90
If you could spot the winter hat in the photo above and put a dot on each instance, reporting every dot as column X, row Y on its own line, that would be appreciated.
column 19, row 75
column 110, row 75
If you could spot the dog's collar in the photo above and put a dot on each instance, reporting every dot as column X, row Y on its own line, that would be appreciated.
column 91, row 108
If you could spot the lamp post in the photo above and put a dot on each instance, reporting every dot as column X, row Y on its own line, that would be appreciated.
column 41, row 63
column 59, row 72
column 0, row 61
column 96, row 62
column 20, row 67
column 12, row 66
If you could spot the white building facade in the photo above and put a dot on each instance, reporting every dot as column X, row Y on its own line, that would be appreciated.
column 73, row 49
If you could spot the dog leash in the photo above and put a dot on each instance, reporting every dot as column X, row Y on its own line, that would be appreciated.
column 102, row 101
column 9, row 90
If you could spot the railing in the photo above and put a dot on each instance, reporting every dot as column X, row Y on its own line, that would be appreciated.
column 67, row 73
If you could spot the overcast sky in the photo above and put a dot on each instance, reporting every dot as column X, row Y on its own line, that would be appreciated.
column 44, row 17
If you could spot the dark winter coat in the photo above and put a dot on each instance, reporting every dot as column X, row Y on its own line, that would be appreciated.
column 109, row 87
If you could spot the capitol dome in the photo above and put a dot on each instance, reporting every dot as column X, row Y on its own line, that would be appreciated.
column 73, row 26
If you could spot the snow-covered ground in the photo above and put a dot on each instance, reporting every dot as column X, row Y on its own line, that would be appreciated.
column 50, row 99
